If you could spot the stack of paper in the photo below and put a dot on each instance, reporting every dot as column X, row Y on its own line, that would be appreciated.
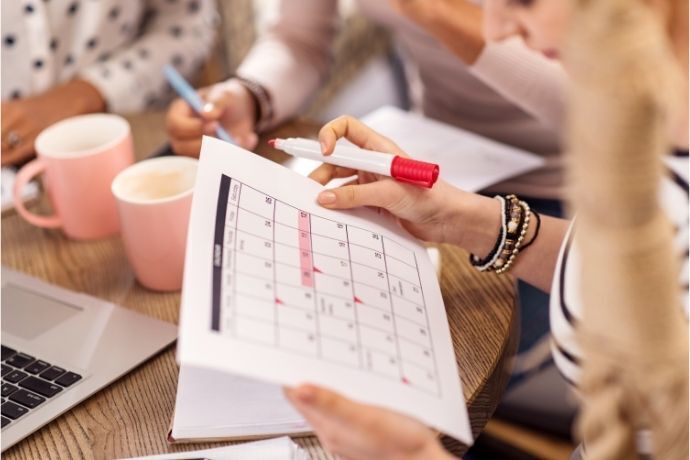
column 212, row 405
column 269, row 449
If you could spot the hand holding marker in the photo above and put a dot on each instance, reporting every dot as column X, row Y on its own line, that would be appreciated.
column 407, row 170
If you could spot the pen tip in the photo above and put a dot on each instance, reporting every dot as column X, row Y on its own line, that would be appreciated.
column 272, row 142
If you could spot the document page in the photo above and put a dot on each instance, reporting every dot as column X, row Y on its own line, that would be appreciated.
column 280, row 289
column 467, row 160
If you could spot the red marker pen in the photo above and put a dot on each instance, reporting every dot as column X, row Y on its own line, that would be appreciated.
column 402, row 169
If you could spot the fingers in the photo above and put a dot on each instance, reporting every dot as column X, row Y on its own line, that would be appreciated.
column 324, row 401
column 381, row 194
column 326, row 172
column 18, row 155
column 182, row 122
column 356, row 132
column 10, row 119
column 21, row 149
column 327, row 427
column 213, row 110
column 246, row 139
column 353, row 430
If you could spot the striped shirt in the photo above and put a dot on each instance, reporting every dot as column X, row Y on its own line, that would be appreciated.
column 566, row 302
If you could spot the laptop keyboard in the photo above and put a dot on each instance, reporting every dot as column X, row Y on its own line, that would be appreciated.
column 28, row 382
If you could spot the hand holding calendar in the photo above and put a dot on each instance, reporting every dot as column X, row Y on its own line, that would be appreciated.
column 278, row 288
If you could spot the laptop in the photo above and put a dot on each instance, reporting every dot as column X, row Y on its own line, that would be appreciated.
column 59, row 347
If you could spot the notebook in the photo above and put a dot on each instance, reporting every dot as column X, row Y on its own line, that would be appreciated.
column 213, row 405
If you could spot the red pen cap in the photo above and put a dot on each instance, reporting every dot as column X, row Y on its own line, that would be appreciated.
column 414, row 172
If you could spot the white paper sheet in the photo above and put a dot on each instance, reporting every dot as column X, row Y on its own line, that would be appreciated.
column 467, row 160
column 270, row 449
column 278, row 288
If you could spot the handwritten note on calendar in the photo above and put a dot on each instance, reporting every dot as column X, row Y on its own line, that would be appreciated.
column 280, row 289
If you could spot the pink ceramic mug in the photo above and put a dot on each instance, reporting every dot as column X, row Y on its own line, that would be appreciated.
column 79, row 157
column 154, row 198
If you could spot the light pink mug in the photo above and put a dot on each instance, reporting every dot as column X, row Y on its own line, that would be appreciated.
column 79, row 157
column 154, row 199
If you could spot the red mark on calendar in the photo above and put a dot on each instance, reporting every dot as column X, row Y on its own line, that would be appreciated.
column 305, row 248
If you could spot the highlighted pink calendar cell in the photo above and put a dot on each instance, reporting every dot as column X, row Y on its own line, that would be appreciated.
column 305, row 260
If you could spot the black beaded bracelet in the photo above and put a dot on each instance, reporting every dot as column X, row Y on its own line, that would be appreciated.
column 536, row 231
column 508, row 257
column 515, row 220
column 486, row 262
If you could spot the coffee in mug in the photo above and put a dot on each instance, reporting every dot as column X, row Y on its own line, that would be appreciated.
column 154, row 198
column 79, row 158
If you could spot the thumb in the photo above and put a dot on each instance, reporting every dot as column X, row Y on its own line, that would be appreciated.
column 380, row 194
column 247, row 140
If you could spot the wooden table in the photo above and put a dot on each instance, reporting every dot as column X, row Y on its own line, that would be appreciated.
column 132, row 416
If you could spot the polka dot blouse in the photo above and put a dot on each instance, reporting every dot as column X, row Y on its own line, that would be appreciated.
column 119, row 47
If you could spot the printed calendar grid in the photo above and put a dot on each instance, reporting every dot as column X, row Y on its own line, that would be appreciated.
column 260, row 298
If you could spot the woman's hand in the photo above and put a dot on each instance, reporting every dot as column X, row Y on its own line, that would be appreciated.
column 428, row 214
column 229, row 104
column 358, row 431
column 24, row 119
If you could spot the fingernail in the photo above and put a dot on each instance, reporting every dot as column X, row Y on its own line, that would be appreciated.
column 305, row 394
column 208, row 107
column 326, row 198
column 289, row 392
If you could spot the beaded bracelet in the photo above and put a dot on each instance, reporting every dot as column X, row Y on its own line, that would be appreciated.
column 515, row 221
column 485, row 263
column 513, row 229
column 537, row 217
column 512, row 255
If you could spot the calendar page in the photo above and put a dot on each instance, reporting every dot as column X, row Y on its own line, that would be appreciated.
column 280, row 289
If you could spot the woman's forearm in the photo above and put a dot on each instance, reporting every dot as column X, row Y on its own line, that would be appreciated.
column 455, row 23
column 459, row 26
column 474, row 224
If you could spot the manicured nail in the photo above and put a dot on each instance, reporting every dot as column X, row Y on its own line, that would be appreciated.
column 305, row 394
column 208, row 107
column 326, row 198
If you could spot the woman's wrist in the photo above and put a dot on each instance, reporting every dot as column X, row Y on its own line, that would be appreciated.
column 473, row 223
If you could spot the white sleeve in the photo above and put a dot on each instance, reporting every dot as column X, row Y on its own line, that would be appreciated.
column 526, row 78
column 294, row 57
column 178, row 33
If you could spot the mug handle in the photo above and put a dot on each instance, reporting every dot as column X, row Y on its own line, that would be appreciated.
column 24, row 176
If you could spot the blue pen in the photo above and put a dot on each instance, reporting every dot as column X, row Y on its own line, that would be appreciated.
column 187, row 93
